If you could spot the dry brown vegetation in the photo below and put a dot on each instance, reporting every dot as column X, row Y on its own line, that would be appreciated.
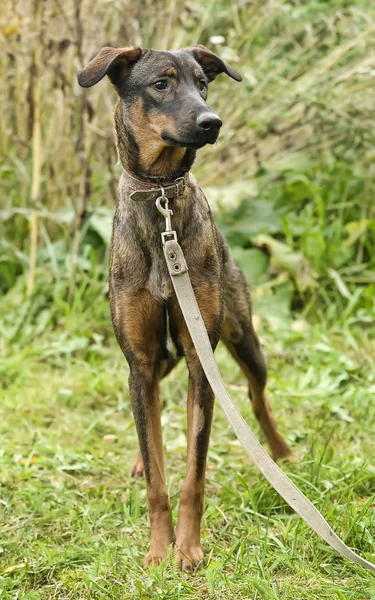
column 306, row 85
column 293, row 177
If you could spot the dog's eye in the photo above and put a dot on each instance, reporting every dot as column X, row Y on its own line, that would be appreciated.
column 161, row 84
column 202, row 85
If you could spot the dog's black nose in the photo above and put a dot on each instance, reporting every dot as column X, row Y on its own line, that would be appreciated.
column 209, row 122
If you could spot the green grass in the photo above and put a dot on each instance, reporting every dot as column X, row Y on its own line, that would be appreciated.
column 293, row 175
column 75, row 525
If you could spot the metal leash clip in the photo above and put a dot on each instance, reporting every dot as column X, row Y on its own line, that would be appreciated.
column 167, row 213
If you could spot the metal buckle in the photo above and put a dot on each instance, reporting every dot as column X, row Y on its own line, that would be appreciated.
column 169, row 236
column 180, row 186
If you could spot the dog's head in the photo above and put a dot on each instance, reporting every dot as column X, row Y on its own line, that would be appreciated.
column 163, row 93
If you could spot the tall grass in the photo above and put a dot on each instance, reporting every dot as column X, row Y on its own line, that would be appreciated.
column 300, row 127
column 291, row 181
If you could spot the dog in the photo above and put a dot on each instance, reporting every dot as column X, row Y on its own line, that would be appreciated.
column 161, row 119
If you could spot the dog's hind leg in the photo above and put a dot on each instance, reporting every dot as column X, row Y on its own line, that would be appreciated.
column 242, row 342
column 137, row 319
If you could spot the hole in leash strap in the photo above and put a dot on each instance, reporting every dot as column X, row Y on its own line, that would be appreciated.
column 172, row 256
column 177, row 267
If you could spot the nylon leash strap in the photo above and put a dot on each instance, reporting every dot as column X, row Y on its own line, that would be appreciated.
column 178, row 271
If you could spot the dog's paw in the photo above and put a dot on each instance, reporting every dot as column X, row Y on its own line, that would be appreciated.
column 152, row 559
column 289, row 459
column 160, row 544
column 282, row 453
column 188, row 558
column 158, row 553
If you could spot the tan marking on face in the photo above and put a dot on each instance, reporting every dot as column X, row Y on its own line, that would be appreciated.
column 159, row 122
column 156, row 157
column 171, row 72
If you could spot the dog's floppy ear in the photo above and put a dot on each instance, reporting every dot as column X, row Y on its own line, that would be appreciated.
column 211, row 64
column 114, row 62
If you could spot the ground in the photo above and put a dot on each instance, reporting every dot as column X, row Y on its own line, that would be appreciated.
column 291, row 182
column 75, row 525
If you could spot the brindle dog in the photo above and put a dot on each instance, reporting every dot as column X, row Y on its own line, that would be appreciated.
column 161, row 119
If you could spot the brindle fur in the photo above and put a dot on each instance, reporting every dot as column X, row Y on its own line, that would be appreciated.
column 157, row 137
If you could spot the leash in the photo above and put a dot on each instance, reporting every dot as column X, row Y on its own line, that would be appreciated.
column 178, row 271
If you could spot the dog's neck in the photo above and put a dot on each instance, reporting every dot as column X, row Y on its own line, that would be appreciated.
column 144, row 160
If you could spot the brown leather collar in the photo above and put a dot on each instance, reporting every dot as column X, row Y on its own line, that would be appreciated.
column 144, row 190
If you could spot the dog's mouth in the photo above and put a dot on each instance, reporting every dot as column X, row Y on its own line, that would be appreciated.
column 191, row 144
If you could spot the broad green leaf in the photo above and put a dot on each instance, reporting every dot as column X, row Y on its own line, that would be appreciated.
column 253, row 263
column 282, row 258
column 101, row 222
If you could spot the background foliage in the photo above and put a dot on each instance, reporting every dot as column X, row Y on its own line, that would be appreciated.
column 295, row 160
column 291, row 182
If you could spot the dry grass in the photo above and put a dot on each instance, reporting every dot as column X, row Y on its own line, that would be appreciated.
column 307, row 70
column 298, row 143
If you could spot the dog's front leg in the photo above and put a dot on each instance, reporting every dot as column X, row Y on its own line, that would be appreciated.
column 138, row 321
column 188, row 551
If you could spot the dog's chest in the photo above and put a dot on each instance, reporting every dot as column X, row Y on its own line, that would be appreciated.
column 159, row 282
column 137, row 254
column 137, row 259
